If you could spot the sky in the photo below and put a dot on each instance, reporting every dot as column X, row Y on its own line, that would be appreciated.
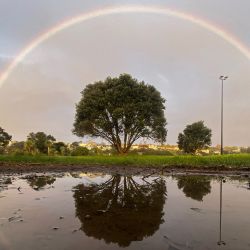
column 182, row 60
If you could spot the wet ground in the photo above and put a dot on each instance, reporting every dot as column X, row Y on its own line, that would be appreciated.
column 76, row 210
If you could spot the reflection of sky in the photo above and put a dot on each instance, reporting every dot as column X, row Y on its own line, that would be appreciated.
column 180, row 59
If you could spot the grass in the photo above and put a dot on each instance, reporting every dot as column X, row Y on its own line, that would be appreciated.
column 234, row 161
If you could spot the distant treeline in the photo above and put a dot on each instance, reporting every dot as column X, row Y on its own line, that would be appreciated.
column 42, row 144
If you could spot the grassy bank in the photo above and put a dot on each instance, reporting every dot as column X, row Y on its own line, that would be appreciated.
column 235, row 161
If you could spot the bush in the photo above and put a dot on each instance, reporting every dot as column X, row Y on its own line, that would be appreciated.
column 2, row 150
column 16, row 148
column 80, row 151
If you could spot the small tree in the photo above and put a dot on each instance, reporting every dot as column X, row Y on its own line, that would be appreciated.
column 30, row 147
column 16, row 148
column 194, row 137
column 5, row 139
column 121, row 110
column 75, row 144
column 60, row 148
column 39, row 141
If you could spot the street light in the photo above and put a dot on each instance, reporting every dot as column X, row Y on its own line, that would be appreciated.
column 222, row 78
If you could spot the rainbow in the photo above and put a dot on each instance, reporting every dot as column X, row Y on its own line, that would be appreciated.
column 118, row 10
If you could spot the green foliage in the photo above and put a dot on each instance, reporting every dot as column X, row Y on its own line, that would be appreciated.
column 217, row 162
column 79, row 151
column 58, row 145
column 30, row 147
column 74, row 144
column 17, row 148
column 195, row 137
column 5, row 139
column 121, row 110
column 60, row 148
column 148, row 151
column 39, row 143
column 245, row 150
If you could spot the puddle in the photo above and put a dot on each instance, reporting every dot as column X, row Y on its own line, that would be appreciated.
column 98, row 211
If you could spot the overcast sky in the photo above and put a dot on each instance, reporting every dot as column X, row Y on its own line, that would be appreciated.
column 182, row 60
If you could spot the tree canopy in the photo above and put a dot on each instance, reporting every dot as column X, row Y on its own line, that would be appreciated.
column 59, row 148
column 39, row 142
column 121, row 110
column 194, row 137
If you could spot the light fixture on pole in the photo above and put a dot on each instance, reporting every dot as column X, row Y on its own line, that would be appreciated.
column 222, row 78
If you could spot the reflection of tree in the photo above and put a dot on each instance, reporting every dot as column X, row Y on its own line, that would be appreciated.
column 195, row 187
column 38, row 182
column 120, row 210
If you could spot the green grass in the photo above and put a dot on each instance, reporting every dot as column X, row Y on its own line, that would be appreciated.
column 235, row 161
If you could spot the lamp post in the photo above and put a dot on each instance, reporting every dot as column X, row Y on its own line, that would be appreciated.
column 222, row 78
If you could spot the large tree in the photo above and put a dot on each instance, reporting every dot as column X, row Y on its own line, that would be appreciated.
column 5, row 138
column 194, row 137
column 121, row 110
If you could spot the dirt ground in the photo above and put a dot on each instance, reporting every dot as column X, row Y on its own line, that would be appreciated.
column 123, row 170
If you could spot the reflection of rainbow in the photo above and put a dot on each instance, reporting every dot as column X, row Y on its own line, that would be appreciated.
column 123, row 9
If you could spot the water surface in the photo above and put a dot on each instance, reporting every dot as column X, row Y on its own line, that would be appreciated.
column 98, row 211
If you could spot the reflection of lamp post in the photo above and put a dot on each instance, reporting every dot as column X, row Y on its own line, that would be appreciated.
column 221, row 242
column 222, row 78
